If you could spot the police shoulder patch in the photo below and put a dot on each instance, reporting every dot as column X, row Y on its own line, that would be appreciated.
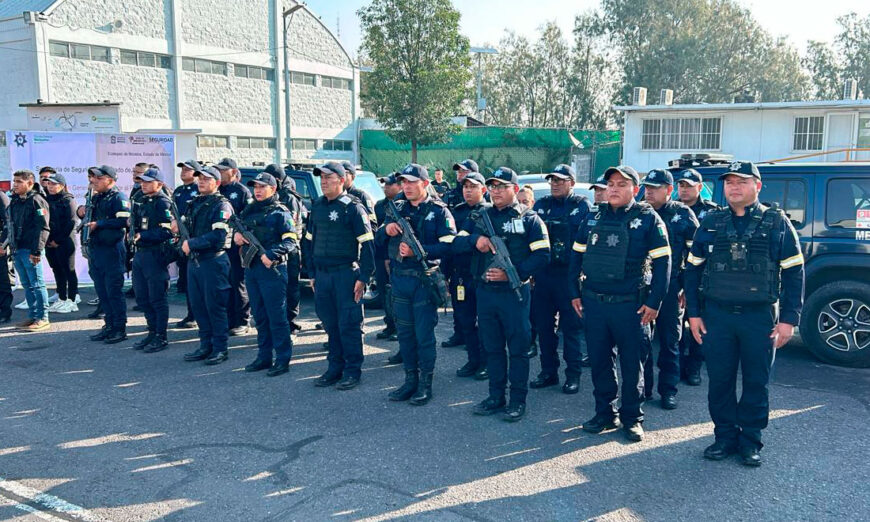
column 345, row 199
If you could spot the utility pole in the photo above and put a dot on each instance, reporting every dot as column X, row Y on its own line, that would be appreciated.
column 284, row 16
column 481, row 101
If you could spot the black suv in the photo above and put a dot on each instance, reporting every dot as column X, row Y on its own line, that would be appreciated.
column 829, row 205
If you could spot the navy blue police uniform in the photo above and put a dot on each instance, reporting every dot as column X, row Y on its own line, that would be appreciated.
column 182, row 196
column 364, row 197
column 208, row 271
column 739, row 268
column 291, row 199
column 463, row 290
column 503, row 313
column 152, row 231
column 272, row 224
column 624, row 257
column 382, row 276
column 691, row 357
column 416, row 310
column 681, row 225
column 108, row 255
column 6, row 274
column 552, row 292
column 454, row 197
column 342, row 253
column 239, row 307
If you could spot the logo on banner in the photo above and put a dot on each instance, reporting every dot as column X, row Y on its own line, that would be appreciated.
column 20, row 140
column 137, row 140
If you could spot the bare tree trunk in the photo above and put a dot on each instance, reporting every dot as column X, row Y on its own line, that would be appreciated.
column 413, row 151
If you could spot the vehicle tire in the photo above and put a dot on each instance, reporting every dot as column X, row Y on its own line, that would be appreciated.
column 835, row 323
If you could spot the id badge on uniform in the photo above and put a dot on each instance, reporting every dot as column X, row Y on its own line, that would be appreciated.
column 518, row 226
column 460, row 293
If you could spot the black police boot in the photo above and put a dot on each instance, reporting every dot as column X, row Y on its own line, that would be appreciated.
column 533, row 350
column 217, row 358
column 258, row 364
column 115, row 336
column 719, row 450
column 514, row 411
column 327, row 379
column 584, row 360
column 197, row 355
column 693, row 378
column 598, row 424
column 544, row 380
column 347, row 383
column 482, row 374
column 407, row 389
column 669, row 402
column 452, row 342
column 239, row 331
column 386, row 333
column 633, row 432
column 750, row 457
column 396, row 358
column 489, row 406
column 424, row 390
column 572, row 384
column 145, row 341
column 158, row 344
column 468, row 369
column 187, row 322
column 279, row 368
column 102, row 334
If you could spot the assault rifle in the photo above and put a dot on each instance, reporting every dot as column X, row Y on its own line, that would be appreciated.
column 408, row 236
column 83, row 228
column 255, row 248
column 501, row 258
column 183, row 232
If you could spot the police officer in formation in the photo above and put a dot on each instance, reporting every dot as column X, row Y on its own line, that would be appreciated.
column 681, row 225
column 440, row 184
column 266, row 276
column 599, row 191
column 562, row 212
column 107, row 251
column 392, row 189
column 413, row 301
column 291, row 199
column 208, row 268
column 239, row 308
column 6, row 275
column 182, row 196
column 364, row 197
column 689, row 186
column 341, row 263
column 152, row 231
column 463, row 286
column 503, row 312
column 619, row 297
column 745, row 260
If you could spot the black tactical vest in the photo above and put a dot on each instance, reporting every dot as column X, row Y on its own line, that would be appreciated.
column 517, row 244
column 606, row 259
column 201, row 216
column 740, row 270
column 334, row 236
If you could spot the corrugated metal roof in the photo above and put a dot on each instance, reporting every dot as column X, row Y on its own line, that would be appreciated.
column 11, row 8
column 819, row 104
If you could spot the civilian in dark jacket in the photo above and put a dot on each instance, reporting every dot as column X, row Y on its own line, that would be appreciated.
column 60, row 250
column 5, row 263
column 28, row 212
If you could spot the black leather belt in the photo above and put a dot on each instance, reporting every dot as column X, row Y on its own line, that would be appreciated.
column 335, row 268
column 205, row 256
column 612, row 298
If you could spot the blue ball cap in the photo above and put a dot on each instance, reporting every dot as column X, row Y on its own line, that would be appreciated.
column 56, row 178
column 151, row 174
column 277, row 171
column 227, row 163
column 658, row 178
column 414, row 172
column 348, row 166
column 468, row 164
column 209, row 172
column 104, row 170
column 190, row 164
column 562, row 172
column 690, row 176
column 502, row 175
column 330, row 167
column 391, row 179
column 600, row 182
column 474, row 177
column 624, row 171
column 744, row 169
column 264, row 178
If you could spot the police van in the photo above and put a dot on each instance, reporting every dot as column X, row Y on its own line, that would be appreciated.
column 829, row 206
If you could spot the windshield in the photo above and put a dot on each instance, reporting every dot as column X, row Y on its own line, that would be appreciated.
column 368, row 182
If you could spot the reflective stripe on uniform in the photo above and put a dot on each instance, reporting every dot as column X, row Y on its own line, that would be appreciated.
column 792, row 261
column 579, row 247
column 537, row 245
column 660, row 252
column 446, row 239
column 689, row 244
column 365, row 237
column 166, row 225
column 220, row 226
column 122, row 214
column 697, row 261
column 308, row 236
column 463, row 233
column 291, row 235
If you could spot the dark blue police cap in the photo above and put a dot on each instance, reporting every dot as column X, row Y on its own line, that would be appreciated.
column 56, row 178
column 502, row 175
column 624, row 171
column 414, row 172
column 104, row 170
column 391, row 179
column 330, row 167
column 151, row 175
column 264, row 178
column 474, row 177
column 600, row 182
column 275, row 170
column 190, row 164
column 562, row 172
column 744, row 169
column 658, row 177
column 690, row 176
column 350, row 167
column 227, row 163
column 468, row 164
column 210, row 172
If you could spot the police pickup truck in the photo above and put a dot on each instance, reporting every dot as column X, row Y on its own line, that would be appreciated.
column 829, row 205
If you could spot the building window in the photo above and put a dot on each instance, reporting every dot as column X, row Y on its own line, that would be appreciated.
column 203, row 66
column 303, row 78
column 340, row 145
column 303, row 144
column 255, row 73
column 188, row 64
column 808, row 132
column 80, row 51
column 211, row 141
column 255, row 143
column 335, row 83
column 681, row 134
column 144, row 59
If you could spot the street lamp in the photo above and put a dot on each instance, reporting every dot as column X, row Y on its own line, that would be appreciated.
column 481, row 101
column 284, row 16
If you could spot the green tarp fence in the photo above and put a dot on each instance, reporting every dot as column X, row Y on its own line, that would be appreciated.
column 522, row 149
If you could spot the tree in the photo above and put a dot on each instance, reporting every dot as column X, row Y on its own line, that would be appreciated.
column 420, row 68
column 848, row 58
column 824, row 68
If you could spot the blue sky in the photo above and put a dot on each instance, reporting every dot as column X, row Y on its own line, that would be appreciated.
column 484, row 21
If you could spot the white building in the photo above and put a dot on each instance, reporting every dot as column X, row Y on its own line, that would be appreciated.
column 210, row 71
column 807, row 131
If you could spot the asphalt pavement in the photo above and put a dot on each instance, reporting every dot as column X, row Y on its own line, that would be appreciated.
column 96, row 432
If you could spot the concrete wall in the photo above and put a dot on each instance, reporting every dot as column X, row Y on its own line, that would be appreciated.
column 245, row 25
column 148, row 18
column 18, row 61
column 308, row 40
column 216, row 98
column 319, row 107
column 244, row 157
